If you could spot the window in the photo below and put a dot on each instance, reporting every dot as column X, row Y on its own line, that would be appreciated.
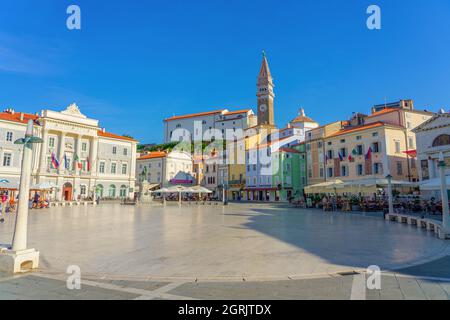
column 442, row 140
column 112, row 191
column 343, row 152
column 397, row 147
column 399, row 168
column 113, row 168
column 360, row 149
column 101, row 167
column 123, row 191
column 319, row 144
column 330, row 172
column 124, row 168
column 342, row 140
column 83, row 190
column 125, row 152
column 7, row 157
column 375, row 134
column 377, row 168
column 411, row 142
column 359, row 170
column 9, row 136
column 321, row 172
column 84, row 146
column 330, row 154
column 51, row 142
column 344, row 171
column 114, row 151
column 358, row 137
column 376, row 147
column 330, row 143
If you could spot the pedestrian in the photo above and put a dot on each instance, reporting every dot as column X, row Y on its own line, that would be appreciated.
column 4, row 199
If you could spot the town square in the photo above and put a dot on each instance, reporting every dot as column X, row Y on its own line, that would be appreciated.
column 160, row 175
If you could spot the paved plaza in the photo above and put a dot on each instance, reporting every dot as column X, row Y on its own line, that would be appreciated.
column 241, row 251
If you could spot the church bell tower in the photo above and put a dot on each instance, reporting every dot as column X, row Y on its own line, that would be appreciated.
column 265, row 95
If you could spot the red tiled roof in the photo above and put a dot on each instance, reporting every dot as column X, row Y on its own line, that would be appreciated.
column 16, row 117
column 289, row 150
column 113, row 136
column 237, row 112
column 358, row 128
column 384, row 111
column 194, row 115
column 303, row 119
column 153, row 155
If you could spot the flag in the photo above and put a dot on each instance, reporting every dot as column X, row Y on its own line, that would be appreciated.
column 88, row 164
column 369, row 154
column 66, row 162
column 350, row 158
column 55, row 161
column 341, row 158
column 355, row 152
column 77, row 162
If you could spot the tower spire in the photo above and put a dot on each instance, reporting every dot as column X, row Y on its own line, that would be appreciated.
column 264, row 72
column 265, row 94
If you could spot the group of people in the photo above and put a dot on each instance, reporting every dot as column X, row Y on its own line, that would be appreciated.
column 7, row 204
column 38, row 202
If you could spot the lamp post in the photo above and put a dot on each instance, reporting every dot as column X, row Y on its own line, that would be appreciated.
column 390, row 197
column 19, row 258
column 445, row 232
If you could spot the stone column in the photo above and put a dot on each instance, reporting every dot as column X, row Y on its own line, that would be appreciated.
column 431, row 169
column 93, row 155
column 43, row 152
column 77, row 154
column 132, row 173
column 445, row 233
column 62, row 148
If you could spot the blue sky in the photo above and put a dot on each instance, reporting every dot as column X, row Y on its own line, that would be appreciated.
column 136, row 62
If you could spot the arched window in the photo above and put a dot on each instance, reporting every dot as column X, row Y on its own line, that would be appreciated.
column 112, row 191
column 442, row 140
column 123, row 191
column 99, row 191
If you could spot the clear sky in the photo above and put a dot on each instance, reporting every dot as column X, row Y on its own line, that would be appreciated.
column 136, row 62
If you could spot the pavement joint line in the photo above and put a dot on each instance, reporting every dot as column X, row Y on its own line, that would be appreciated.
column 140, row 292
column 358, row 287
column 407, row 276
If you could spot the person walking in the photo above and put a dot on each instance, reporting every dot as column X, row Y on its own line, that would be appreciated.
column 4, row 199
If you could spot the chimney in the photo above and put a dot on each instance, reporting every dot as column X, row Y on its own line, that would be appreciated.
column 21, row 116
column 103, row 130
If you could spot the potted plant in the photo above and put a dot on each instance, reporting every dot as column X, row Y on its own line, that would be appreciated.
column 355, row 203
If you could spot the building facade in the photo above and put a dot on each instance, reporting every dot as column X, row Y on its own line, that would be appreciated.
column 433, row 138
column 76, row 155
column 165, row 169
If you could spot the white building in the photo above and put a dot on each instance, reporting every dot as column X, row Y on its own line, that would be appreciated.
column 90, row 159
column 165, row 169
column 433, row 138
column 206, row 124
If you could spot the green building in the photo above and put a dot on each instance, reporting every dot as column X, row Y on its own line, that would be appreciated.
column 288, row 165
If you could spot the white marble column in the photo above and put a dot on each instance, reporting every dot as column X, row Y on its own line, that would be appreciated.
column 77, row 154
column 93, row 155
column 62, row 148
column 431, row 169
column 43, row 152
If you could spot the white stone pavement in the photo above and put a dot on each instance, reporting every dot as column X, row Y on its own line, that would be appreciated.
column 252, row 242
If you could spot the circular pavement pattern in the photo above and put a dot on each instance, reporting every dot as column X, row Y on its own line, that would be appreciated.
column 255, row 242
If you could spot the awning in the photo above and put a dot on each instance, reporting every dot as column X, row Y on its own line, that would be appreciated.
column 411, row 153
column 9, row 183
column 434, row 184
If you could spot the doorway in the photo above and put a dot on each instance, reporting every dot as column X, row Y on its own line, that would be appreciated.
column 67, row 191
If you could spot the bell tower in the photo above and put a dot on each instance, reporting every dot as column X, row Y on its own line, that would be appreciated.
column 265, row 95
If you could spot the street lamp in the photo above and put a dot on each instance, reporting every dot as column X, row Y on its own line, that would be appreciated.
column 18, row 258
column 445, row 232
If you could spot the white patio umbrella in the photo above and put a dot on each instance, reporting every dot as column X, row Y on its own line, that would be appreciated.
column 434, row 184
column 44, row 186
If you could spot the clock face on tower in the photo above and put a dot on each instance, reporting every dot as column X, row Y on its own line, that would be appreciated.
column 263, row 108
